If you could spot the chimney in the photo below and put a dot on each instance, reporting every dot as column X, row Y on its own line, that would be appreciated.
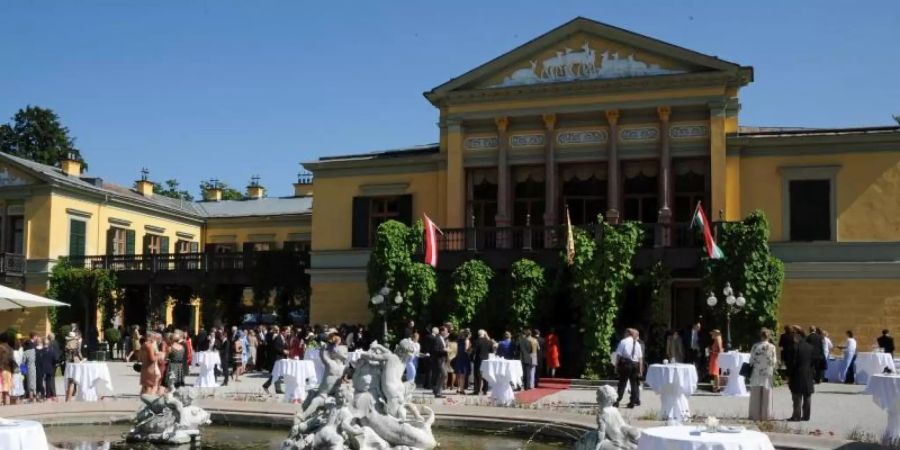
column 304, row 185
column 144, row 186
column 70, row 164
column 213, row 192
column 255, row 190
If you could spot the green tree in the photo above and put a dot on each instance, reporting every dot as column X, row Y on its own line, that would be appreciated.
column 228, row 193
column 470, row 286
column 527, row 283
column 172, row 190
column 752, row 271
column 599, row 274
column 37, row 134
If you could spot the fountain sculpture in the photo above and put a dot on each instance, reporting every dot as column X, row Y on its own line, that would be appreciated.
column 168, row 419
column 612, row 432
column 372, row 412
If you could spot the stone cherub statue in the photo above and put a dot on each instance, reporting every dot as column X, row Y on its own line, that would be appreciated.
column 612, row 433
column 168, row 419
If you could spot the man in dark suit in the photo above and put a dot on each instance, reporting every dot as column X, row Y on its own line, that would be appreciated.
column 223, row 346
column 277, row 348
column 540, row 355
column 424, row 372
column 45, row 366
column 202, row 341
column 480, row 351
column 438, row 362
column 886, row 342
column 800, row 376
column 695, row 341
column 815, row 340
column 523, row 350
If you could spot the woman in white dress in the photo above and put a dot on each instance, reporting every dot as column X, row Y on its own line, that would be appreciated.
column 763, row 360
column 18, row 387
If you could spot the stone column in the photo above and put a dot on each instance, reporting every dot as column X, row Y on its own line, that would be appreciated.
column 717, row 159
column 503, row 217
column 551, row 208
column 666, row 194
column 612, row 168
column 455, row 216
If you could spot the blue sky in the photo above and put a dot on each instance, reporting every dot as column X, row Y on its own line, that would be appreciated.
column 201, row 89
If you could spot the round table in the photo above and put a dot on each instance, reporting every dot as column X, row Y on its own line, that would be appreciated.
column 732, row 362
column 687, row 438
column 674, row 383
column 885, row 391
column 500, row 375
column 299, row 375
column 833, row 369
column 207, row 362
column 88, row 376
column 312, row 354
column 22, row 435
column 869, row 363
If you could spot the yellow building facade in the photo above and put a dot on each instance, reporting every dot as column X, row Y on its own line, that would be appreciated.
column 605, row 121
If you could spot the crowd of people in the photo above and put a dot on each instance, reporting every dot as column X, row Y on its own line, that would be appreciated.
column 28, row 366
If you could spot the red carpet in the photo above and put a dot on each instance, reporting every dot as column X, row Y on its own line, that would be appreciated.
column 547, row 387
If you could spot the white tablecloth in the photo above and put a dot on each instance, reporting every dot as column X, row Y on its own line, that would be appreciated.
column 501, row 374
column 89, row 376
column 312, row 354
column 673, row 383
column 208, row 361
column 23, row 435
column 732, row 362
column 680, row 438
column 299, row 375
column 833, row 369
column 885, row 391
column 868, row 363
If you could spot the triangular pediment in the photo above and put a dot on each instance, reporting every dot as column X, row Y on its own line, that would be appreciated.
column 11, row 176
column 584, row 50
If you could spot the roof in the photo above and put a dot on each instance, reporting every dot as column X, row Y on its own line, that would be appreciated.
column 762, row 132
column 256, row 207
column 199, row 210
column 426, row 149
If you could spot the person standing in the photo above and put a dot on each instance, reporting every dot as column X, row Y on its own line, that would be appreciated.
column 175, row 356
column 848, row 366
column 540, row 364
column 695, row 345
column 481, row 351
column 29, row 364
column 629, row 355
column 674, row 348
column 785, row 341
column 551, row 353
column 800, row 377
column 223, row 346
column 714, row 350
column 148, row 357
column 46, row 370
column 524, row 350
column 505, row 348
column 439, row 361
column 762, row 359
column 277, row 351
column 886, row 342
column 462, row 365
column 815, row 340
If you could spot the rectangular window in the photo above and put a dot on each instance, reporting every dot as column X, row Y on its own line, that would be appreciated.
column 370, row 212
column 152, row 244
column 810, row 210
column 118, row 241
column 77, row 237
column 16, row 242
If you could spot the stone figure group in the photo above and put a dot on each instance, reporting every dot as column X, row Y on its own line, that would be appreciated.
column 168, row 419
column 612, row 432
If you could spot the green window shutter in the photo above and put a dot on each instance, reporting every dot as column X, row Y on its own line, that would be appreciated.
column 360, row 222
column 76, row 237
column 164, row 244
column 110, row 241
column 129, row 242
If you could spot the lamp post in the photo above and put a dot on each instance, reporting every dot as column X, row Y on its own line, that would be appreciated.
column 384, row 306
column 732, row 304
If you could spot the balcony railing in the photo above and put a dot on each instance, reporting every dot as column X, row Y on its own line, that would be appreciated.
column 554, row 238
column 12, row 264
column 190, row 261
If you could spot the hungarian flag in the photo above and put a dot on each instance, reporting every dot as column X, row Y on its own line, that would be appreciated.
column 431, row 247
column 712, row 250
column 570, row 239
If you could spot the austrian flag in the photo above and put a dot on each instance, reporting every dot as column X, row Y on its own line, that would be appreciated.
column 431, row 245
column 712, row 250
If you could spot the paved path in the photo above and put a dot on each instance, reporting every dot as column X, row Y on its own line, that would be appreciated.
column 838, row 409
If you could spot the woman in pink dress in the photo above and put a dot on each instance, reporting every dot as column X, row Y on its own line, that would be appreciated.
column 714, row 349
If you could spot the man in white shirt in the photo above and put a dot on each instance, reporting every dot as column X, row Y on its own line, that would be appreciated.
column 849, row 364
column 629, row 358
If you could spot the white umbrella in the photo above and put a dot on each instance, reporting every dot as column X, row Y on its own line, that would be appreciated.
column 15, row 299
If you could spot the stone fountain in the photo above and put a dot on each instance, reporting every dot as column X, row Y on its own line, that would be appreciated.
column 370, row 412
column 169, row 419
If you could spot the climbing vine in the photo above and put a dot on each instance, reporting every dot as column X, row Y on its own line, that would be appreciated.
column 752, row 271
column 470, row 287
column 600, row 271
column 658, row 278
column 527, row 283
column 86, row 291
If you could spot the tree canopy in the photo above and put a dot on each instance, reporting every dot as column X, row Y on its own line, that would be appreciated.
column 173, row 190
column 228, row 192
column 36, row 133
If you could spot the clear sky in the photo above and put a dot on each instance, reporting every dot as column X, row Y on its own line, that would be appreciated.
column 228, row 89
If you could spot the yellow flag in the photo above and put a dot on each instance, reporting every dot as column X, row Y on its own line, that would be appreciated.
column 570, row 239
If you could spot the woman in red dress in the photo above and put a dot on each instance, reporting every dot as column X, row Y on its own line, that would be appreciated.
column 714, row 349
column 551, row 353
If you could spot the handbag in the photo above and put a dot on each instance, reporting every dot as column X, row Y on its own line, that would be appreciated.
column 136, row 367
column 746, row 370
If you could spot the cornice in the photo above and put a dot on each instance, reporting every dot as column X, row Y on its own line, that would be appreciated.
column 373, row 165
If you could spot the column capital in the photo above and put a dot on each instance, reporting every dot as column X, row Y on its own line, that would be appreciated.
column 502, row 123
column 612, row 116
column 717, row 109
column 549, row 121
column 664, row 112
column 454, row 125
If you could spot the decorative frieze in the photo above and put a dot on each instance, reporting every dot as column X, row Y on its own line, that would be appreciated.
column 639, row 134
column 688, row 131
column 480, row 143
column 582, row 137
column 526, row 140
